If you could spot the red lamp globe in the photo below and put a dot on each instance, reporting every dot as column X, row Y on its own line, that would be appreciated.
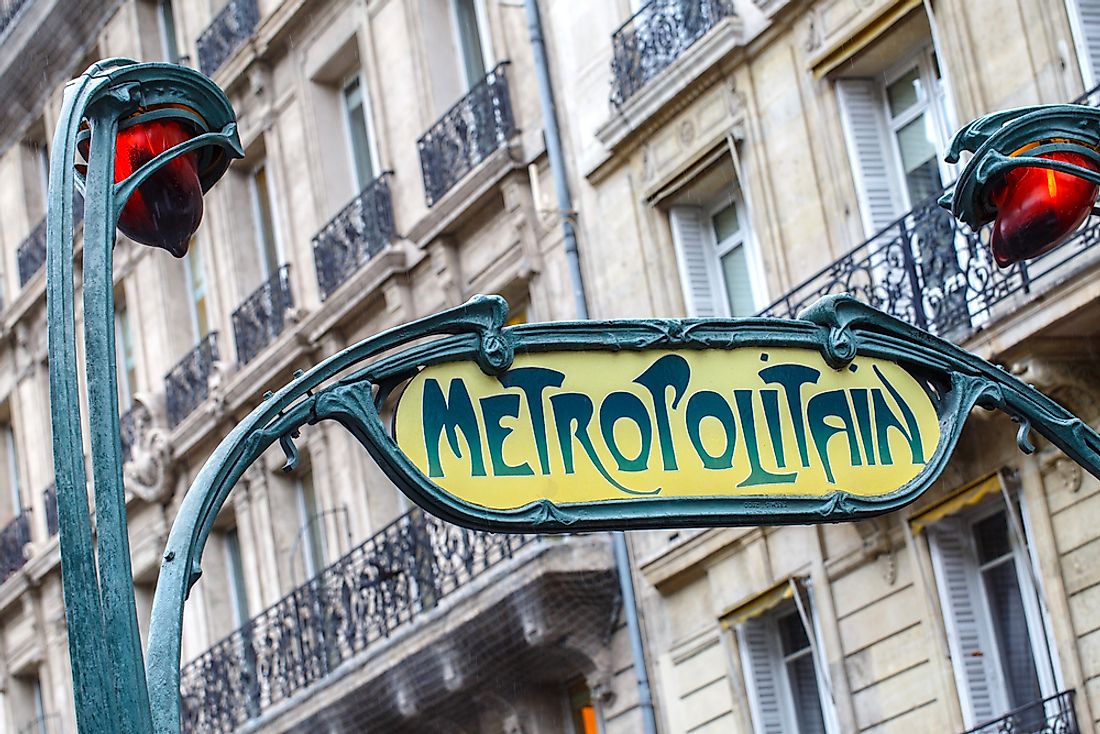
column 1037, row 208
column 166, row 209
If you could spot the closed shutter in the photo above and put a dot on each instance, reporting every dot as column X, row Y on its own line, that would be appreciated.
column 759, row 660
column 695, row 257
column 973, row 652
column 868, row 152
column 1088, row 18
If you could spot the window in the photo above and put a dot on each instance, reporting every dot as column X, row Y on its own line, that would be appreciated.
column 360, row 133
column 10, row 471
column 310, row 537
column 996, row 632
column 897, row 129
column 263, row 220
column 715, row 260
column 786, row 690
column 1085, row 21
column 196, row 289
column 166, row 25
column 238, row 594
column 582, row 710
column 127, row 364
column 469, row 22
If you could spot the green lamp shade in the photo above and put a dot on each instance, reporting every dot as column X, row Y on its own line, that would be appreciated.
column 1037, row 208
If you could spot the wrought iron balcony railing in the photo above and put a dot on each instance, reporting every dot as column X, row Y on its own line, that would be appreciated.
column 354, row 236
column 45, row 724
column 261, row 317
column 1054, row 715
column 657, row 35
column 480, row 123
column 928, row 269
column 188, row 383
column 404, row 570
column 31, row 255
column 13, row 537
column 49, row 502
column 229, row 29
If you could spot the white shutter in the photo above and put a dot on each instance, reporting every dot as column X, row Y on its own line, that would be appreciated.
column 973, row 653
column 1087, row 17
column 759, row 660
column 696, row 259
column 868, row 152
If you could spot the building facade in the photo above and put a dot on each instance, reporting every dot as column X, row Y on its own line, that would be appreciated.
column 726, row 158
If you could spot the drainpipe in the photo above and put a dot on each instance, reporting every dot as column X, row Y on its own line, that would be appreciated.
column 565, row 210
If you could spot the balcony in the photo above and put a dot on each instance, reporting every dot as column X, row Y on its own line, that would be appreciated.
column 656, row 36
column 187, row 385
column 935, row 273
column 261, row 317
column 49, row 502
column 31, row 255
column 128, row 426
column 376, row 602
column 354, row 236
column 466, row 135
column 1054, row 715
column 229, row 29
column 13, row 537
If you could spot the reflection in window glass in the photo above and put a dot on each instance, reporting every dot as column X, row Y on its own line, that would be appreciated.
column 358, row 132
column 469, row 35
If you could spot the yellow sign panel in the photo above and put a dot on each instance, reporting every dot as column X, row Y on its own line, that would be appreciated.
column 577, row 427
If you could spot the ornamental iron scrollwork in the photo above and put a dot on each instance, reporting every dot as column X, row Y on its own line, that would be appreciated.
column 232, row 26
column 31, row 254
column 656, row 36
column 478, row 124
column 1053, row 715
column 385, row 582
column 261, row 317
column 187, row 384
column 359, row 232
column 13, row 537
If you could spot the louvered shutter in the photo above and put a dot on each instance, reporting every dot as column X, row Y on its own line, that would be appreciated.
column 760, row 664
column 1088, row 15
column 973, row 655
column 869, row 153
column 696, row 259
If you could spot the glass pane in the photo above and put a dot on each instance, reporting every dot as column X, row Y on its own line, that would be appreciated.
column 469, row 35
column 313, row 548
column 196, row 283
column 916, row 141
column 804, row 694
column 792, row 634
column 357, row 129
column 991, row 537
column 127, row 366
column 726, row 223
column 11, row 458
column 265, row 223
column 735, row 273
column 904, row 93
column 1006, row 606
column 167, row 19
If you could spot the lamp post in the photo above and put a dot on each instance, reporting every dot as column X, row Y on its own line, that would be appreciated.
column 155, row 137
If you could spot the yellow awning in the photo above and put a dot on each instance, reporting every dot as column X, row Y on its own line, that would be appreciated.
column 757, row 605
column 968, row 496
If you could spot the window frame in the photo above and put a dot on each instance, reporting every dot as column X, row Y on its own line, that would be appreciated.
column 1029, row 583
column 166, row 28
column 746, row 242
column 487, row 56
column 778, row 664
column 193, row 271
column 934, row 102
column 238, row 591
column 267, row 269
column 127, row 362
column 357, row 79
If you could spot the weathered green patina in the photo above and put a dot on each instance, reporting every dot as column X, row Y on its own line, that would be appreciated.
column 114, row 693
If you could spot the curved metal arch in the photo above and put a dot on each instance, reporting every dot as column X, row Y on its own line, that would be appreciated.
column 109, row 683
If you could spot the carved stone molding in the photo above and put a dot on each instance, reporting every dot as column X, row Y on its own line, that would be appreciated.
column 877, row 545
column 1067, row 379
column 148, row 473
